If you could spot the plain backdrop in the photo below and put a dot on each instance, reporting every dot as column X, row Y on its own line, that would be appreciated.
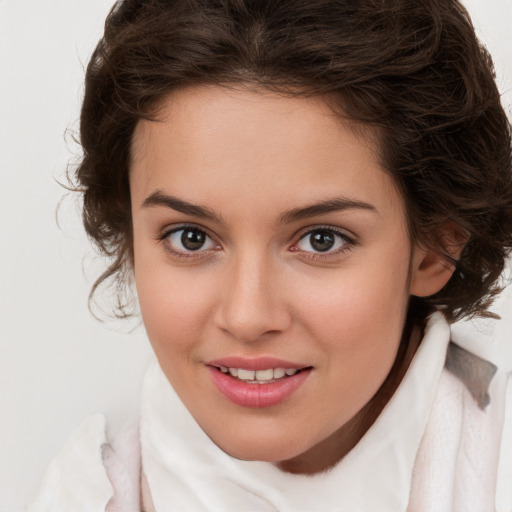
column 57, row 363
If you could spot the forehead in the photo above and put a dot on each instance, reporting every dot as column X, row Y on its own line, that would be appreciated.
column 255, row 144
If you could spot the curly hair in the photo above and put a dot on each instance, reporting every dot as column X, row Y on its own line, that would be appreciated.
column 414, row 71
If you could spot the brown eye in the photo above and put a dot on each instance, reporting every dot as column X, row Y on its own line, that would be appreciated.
column 322, row 240
column 189, row 239
column 193, row 239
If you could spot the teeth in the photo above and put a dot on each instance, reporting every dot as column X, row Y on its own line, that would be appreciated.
column 265, row 374
column 245, row 374
column 259, row 376
column 279, row 373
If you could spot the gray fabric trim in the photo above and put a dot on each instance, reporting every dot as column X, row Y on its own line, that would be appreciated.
column 473, row 371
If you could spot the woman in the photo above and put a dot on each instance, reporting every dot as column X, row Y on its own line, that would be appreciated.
column 305, row 195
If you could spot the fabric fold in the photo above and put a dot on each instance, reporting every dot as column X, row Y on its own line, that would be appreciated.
column 76, row 480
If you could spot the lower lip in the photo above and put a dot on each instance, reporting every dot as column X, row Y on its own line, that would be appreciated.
column 257, row 395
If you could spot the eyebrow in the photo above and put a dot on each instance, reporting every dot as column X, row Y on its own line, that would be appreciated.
column 323, row 207
column 158, row 198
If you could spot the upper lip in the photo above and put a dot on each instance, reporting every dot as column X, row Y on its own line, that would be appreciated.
column 260, row 363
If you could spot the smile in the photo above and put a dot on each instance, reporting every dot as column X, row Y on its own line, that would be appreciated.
column 257, row 383
column 259, row 376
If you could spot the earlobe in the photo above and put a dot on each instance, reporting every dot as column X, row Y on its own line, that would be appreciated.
column 432, row 269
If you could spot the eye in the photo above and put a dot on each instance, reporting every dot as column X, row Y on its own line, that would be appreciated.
column 323, row 240
column 188, row 239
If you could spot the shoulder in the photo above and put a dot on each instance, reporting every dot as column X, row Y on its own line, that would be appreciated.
column 482, row 393
column 93, row 471
column 464, row 456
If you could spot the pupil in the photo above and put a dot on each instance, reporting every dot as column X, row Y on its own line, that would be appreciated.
column 192, row 239
column 322, row 241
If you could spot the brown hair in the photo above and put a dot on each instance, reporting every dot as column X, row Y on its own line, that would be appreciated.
column 414, row 70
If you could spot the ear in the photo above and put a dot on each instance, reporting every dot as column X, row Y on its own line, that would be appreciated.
column 431, row 270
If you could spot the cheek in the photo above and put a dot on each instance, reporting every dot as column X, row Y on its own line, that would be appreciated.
column 363, row 298
column 175, row 306
column 358, row 315
column 358, row 327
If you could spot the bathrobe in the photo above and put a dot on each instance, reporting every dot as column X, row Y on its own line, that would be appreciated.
column 443, row 443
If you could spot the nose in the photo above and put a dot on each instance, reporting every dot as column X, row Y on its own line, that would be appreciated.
column 252, row 305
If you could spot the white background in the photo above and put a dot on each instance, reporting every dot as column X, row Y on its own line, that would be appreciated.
column 57, row 363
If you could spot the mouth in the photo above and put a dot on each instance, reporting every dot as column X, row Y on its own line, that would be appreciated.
column 267, row 376
column 257, row 383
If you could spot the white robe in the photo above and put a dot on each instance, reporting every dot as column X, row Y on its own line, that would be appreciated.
column 443, row 443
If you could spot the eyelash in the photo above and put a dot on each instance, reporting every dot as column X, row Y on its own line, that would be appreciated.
column 348, row 243
column 189, row 255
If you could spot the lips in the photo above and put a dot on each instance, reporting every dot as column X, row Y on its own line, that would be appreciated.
column 257, row 383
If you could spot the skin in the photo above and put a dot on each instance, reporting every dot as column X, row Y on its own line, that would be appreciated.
column 258, row 287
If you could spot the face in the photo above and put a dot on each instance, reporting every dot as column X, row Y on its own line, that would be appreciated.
column 272, row 265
